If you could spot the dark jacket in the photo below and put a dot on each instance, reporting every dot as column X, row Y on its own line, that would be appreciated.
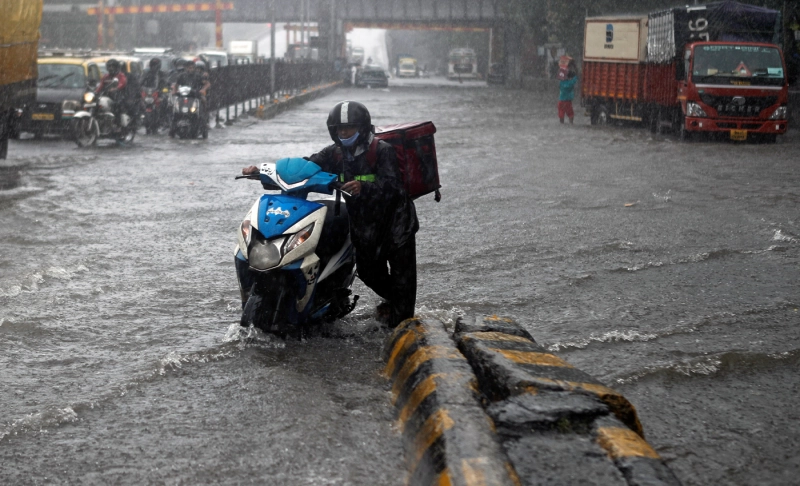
column 154, row 79
column 382, row 217
column 195, row 80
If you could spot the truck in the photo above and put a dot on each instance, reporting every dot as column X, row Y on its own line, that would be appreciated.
column 462, row 63
column 714, row 68
column 407, row 67
column 19, row 44
column 243, row 51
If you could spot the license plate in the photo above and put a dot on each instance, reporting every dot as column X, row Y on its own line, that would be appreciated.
column 148, row 100
column 43, row 116
column 739, row 135
column 185, row 109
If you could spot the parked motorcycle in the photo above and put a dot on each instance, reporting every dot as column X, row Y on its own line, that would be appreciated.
column 98, row 120
column 156, row 114
column 294, row 259
column 188, row 118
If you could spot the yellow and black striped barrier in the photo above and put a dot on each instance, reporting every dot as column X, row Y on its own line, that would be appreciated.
column 557, row 424
column 449, row 438
column 489, row 406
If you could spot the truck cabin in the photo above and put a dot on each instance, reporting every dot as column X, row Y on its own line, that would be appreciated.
column 726, row 64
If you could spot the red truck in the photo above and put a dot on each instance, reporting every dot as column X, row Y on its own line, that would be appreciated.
column 705, row 68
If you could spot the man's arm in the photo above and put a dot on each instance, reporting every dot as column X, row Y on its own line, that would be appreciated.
column 324, row 158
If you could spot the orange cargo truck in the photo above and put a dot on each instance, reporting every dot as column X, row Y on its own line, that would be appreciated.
column 706, row 68
column 19, row 42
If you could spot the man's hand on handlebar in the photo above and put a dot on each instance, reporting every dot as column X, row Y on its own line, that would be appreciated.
column 250, row 170
column 352, row 187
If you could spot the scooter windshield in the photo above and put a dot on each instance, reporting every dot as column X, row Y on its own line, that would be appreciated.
column 296, row 169
column 296, row 175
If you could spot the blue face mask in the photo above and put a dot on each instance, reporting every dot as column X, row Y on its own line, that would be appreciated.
column 348, row 142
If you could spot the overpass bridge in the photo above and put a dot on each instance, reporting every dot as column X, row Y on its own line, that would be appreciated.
column 75, row 24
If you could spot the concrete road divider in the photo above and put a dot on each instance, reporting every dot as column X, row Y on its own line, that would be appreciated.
column 488, row 405
column 449, row 438
column 557, row 424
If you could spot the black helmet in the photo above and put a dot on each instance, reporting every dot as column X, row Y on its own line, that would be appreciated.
column 180, row 64
column 349, row 113
column 155, row 64
column 112, row 66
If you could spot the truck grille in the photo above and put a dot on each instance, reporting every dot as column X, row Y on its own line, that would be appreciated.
column 744, row 106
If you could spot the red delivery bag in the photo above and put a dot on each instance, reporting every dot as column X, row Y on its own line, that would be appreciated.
column 416, row 155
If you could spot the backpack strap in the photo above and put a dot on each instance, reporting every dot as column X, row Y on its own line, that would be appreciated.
column 372, row 152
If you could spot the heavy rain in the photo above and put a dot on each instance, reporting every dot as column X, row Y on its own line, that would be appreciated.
column 649, row 237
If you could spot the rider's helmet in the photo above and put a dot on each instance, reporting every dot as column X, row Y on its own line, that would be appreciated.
column 180, row 64
column 112, row 66
column 349, row 113
column 200, row 65
column 155, row 64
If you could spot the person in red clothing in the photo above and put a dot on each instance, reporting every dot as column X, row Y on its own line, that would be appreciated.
column 115, row 92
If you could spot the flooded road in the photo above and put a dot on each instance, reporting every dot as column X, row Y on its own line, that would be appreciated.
column 670, row 271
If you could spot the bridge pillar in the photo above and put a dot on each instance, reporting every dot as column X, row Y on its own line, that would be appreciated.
column 512, row 49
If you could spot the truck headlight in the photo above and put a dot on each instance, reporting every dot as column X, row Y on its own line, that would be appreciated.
column 780, row 113
column 693, row 109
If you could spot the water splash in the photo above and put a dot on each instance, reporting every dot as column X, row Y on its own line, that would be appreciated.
column 608, row 337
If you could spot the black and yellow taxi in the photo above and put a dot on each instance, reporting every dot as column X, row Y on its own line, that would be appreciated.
column 63, row 79
column 132, row 66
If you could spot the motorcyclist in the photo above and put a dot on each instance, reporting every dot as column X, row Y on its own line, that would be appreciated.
column 197, row 80
column 154, row 78
column 191, row 77
column 115, row 91
column 178, row 67
column 383, row 219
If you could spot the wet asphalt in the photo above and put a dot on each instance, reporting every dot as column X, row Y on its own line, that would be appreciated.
column 669, row 271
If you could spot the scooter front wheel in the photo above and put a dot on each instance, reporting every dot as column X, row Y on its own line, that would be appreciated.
column 264, row 312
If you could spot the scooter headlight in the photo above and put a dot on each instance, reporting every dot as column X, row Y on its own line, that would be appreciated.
column 88, row 97
column 298, row 238
column 247, row 231
column 265, row 254
column 194, row 107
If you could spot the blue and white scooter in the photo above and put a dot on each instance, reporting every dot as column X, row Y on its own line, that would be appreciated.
column 294, row 260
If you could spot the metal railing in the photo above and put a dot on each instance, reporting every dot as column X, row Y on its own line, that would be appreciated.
column 249, row 84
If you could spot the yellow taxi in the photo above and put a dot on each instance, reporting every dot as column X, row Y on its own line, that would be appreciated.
column 63, row 79
column 132, row 66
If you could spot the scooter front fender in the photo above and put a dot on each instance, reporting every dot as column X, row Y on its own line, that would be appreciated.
column 82, row 114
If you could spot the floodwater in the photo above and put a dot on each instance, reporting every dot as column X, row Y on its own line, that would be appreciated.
column 669, row 271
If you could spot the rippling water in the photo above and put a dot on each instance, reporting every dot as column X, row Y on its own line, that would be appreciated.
column 668, row 271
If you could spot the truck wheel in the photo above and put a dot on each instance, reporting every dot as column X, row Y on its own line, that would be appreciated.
column 661, row 127
column 652, row 120
column 683, row 134
column 600, row 115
